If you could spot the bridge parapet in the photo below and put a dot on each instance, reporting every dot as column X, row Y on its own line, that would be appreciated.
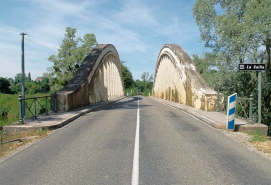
column 99, row 78
column 177, row 79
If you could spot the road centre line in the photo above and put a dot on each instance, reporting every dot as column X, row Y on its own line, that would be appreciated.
column 135, row 175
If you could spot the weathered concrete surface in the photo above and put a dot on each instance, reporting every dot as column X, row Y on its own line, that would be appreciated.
column 178, row 80
column 252, row 127
column 98, row 79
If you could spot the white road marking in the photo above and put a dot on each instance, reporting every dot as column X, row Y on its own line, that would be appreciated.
column 135, row 176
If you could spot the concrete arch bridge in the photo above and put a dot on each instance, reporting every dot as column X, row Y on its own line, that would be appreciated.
column 99, row 78
column 178, row 80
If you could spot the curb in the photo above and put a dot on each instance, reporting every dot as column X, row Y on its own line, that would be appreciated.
column 238, row 128
column 11, row 129
column 198, row 116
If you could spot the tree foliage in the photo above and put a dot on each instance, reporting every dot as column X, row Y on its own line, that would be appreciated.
column 29, row 76
column 70, row 55
column 239, row 30
column 127, row 76
column 4, row 86
column 228, row 82
column 31, row 87
column 146, row 78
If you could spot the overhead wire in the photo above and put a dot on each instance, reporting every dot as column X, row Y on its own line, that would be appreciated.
column 10, row 28
column 40, row 43
column 29, row 37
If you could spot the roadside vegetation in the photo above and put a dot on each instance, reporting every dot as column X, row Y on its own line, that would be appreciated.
column 236, row 32
column 132, row 88
column 260, row 141
column 11, row 142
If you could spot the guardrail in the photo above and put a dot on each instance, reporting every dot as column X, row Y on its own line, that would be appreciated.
column 243, row 109
column 35, row 106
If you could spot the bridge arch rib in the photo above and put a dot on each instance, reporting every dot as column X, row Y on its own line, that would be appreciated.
column 99, row 78
column 177, row 79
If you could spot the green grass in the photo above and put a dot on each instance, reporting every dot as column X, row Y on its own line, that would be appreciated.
column 9, row 107
column 257, row 136
column 147, row 92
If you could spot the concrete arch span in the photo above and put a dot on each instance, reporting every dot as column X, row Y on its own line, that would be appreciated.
column 99, row 78
column 177, row 79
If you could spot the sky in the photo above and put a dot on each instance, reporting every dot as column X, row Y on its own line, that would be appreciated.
column 137, row 28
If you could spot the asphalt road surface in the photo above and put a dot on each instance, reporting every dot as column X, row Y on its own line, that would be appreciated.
column 125, row 143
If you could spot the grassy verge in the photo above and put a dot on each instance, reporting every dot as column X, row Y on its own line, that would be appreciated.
column 9, row 107
column 257, row 136
column 260, row 141
column 12, row 142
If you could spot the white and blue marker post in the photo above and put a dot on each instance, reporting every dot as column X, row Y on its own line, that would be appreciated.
column 231, row 111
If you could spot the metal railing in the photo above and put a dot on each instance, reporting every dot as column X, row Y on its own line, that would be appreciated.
column 35, row 106
column 243, row 109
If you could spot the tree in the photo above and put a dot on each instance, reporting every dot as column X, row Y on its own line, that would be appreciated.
column 4, row 86
column 70, row 55
column 18, row 78
column 239, row 31
column 29, row 76
column 127, row 76
column 44, row 87
column 16, row 88
column 140, row 85
column 146, row 78
column 11, row 81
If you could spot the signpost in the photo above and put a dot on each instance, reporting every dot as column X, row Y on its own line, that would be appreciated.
column 259, row 68
column 231, row 111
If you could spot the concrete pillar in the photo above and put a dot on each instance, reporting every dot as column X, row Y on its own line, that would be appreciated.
column 110, row 78
column 102, row 81
column 115, row 79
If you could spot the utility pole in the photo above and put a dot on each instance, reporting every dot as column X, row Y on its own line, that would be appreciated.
column 23, row 83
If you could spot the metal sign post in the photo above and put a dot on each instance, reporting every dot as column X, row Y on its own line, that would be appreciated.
column 259, row 97
column 231, row 111
column 259, row 68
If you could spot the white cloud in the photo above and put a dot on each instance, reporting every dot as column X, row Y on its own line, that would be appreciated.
column 138, row 29
column 135, row 12
column 62, row 7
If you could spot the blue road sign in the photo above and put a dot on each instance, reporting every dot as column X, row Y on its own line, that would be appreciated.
column 231, row 111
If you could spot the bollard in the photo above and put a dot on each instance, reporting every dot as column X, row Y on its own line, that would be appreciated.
column 250, row 109
column 55, row 102
column 21, row 121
